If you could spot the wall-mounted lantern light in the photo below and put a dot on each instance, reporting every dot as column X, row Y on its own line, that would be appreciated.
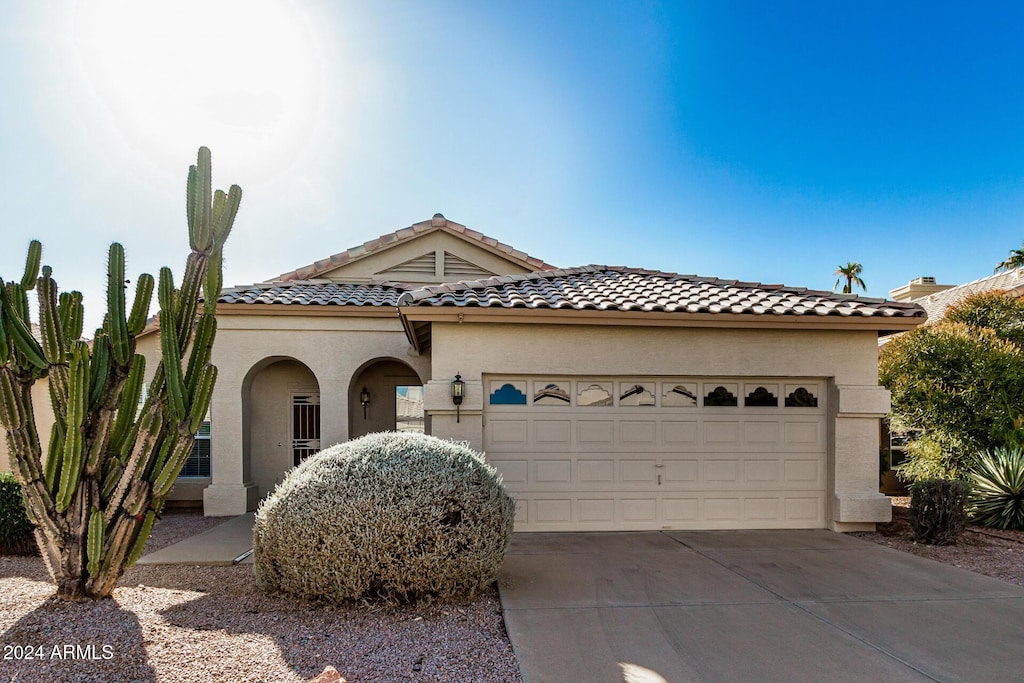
column 458, row 391
column 364, row 398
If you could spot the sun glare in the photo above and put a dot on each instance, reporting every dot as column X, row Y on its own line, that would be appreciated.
column 244, row 77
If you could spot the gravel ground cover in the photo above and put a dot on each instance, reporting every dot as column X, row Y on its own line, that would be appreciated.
column 184, row 623
column 999, row 554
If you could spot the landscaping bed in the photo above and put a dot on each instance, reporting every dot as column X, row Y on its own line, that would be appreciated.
column 186, row 623
column 991, row 552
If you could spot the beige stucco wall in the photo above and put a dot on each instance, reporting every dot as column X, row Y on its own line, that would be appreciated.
column 848, row 359
column 334, row 349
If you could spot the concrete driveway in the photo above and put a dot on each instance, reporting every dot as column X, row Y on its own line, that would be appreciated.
column 751, row 606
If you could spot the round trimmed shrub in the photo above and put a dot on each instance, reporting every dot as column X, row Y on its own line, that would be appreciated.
column 389, row 517
column 16, row 536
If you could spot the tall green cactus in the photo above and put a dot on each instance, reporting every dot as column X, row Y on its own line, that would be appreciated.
column 109, row 466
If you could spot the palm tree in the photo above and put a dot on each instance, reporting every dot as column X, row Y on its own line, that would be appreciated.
column 851, row 271
column 1014, row 260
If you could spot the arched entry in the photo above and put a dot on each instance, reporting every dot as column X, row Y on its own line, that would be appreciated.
column 280, row 419
column 385, row 395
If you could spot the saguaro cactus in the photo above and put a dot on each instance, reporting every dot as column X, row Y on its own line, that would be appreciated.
column 109, row 465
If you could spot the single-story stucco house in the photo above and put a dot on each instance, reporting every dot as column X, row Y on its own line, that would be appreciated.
column 609, row 398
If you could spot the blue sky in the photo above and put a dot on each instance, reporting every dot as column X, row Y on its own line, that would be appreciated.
column 746, row 140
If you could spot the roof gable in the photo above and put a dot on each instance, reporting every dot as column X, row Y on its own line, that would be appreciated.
column 431, row 251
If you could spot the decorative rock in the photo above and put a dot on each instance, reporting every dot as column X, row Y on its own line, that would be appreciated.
column 328, row 675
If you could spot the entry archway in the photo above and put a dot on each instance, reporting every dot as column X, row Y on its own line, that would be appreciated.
column 385, row 395
column 280, row 419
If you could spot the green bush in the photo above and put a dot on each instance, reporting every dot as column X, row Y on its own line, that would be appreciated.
column 962, row 385
column 998, row 495
column 995, row 310
column 16, row 536
column 386, row 518
column 938, row 510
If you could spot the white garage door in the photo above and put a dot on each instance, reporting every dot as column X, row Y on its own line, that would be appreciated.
column 599, row 453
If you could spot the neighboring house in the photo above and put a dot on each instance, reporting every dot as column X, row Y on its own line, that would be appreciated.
column 935, row 298
column 609, row 398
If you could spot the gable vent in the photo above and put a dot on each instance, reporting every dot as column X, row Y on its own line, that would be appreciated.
column 421, row 265
column 461, row 268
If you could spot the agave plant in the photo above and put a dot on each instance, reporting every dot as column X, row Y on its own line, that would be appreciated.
column 998, row 497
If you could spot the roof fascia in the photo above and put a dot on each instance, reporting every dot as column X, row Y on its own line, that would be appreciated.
column 657, row 318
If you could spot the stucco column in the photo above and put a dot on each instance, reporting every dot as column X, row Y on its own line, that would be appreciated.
column 465, row 424
column 231, row 491
column 856, row 503
column 333, row 410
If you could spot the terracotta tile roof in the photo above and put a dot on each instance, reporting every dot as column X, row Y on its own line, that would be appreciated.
column 438, row 222
column 323, row 293
column 937, row 303
column 604, row 288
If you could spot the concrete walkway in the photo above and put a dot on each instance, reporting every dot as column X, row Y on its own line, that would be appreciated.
column 751, row 606
column 224, row 544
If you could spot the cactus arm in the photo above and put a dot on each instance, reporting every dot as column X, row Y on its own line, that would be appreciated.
column 116, row 323
column 74, row 443
column 213, row 283
column 101, row 370
column 164, row 480
column 202, row 348
column 6, row 350
column 55, row 454
column 49, row 319
column 170, row 348
column 12, row 409
column 35, row 253
column 94, row 541
column 187, row 301
column 140, row 308
column 71, row 318
column 141, row 537
column 129, row 404
column 226, row 219
column 203, row 199
column 200, row 400
column 16, row 313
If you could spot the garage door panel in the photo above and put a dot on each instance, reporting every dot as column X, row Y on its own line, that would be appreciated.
column 596, row 432
column 552, row 471
column 690, row 458
column 513, row 472
column 717, row 472
column 552, row 432
column 762, row 471
column 505, row 433
column 643, row 510
column 638, row 471
column 678, row 433
column 635, row 433
column 596, row 471
column 721, row 432
column 677, row 472
column 762, row 433
column 805, row 472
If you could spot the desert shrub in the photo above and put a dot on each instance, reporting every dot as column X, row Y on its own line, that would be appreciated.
column 995, row 310
column 16, row 536
column 962, row 385
column 386, row 518
column 998, row 492
column 938, row 510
